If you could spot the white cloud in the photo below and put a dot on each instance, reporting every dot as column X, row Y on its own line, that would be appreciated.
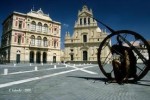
column 65, row 25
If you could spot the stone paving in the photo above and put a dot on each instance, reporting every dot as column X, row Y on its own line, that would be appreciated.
column 68, row 83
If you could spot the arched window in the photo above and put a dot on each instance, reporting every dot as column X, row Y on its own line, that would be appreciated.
column 19, row 39
column 33, row 26
column 88, row 20
column 45, row 42
column 80, row 21
column 84, row 38
column 39, row 27
column 20, row 25
column 45, row 30
column 32, row 40
column 38, row 41
column 55, row 43
column 84, row 21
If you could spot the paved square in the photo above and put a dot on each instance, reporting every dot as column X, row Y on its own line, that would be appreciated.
column 65, row 82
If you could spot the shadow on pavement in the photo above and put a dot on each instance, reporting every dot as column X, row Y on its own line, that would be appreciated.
column 145, row 80
column 143, row 84
column 106, row 80
column 91, row 78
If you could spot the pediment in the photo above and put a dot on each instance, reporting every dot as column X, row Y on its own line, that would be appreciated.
column 84, row 48
column 85, row 14
column 84, row 33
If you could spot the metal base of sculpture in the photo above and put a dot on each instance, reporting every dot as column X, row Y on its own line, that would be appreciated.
column 125, row 68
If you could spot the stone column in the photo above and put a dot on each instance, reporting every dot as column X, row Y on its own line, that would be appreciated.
column 35, row 56
column 87, row 21
column 41, row 57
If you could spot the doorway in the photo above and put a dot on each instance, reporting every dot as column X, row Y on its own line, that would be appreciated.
column 38, row 57
column 54, row 59
column 44, row 57
column 85, row 56
column 18, row 58
column 31, row 57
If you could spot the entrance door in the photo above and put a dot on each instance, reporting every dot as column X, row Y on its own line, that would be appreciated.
column 44, row 57
column 54, row 59
column 18, row 58
column 85, row 55
column 71, row 57
column 31, row 57
column 38, row 57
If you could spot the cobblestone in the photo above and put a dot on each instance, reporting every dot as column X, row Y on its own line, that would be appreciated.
column 77, row 85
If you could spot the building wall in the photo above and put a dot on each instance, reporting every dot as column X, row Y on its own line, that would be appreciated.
column 32, row 32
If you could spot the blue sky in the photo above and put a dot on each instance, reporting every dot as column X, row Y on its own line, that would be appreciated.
column 118, row 14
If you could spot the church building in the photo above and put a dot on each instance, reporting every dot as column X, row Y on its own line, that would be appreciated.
column 82, row 46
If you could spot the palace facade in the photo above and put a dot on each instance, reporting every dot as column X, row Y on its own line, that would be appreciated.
column 82, row 46
column 33, row 37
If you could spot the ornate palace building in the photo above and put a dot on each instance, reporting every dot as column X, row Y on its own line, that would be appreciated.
column 33, row 37
column 83, row 44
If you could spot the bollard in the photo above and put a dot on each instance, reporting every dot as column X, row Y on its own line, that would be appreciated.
column 51, row 63
column 42, row 64
column 74, row 65
column 66, row 66
column 14, row 65
column 5, row 71
column 55, row 66
column 30, row 64
column 36, row 68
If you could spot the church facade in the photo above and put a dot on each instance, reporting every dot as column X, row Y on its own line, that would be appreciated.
column 33, row 37
column 82, row 46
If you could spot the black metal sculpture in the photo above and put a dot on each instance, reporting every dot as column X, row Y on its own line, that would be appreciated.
column 123, row 57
